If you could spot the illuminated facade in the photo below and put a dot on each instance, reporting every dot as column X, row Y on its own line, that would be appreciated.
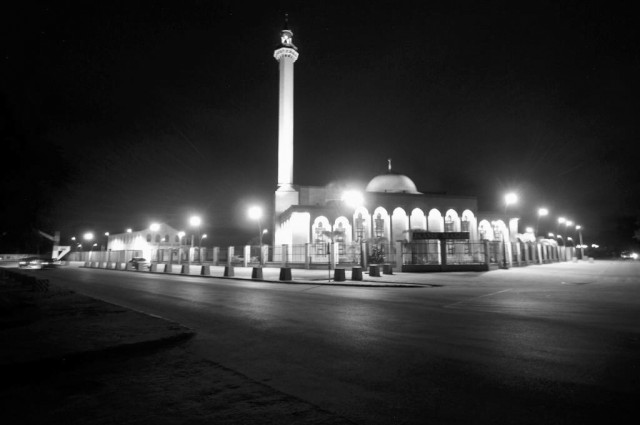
column 391, row 208
column 146, row 241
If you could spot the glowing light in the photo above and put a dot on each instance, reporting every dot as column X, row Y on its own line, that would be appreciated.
column 569, row 223
column 181, row 234
column 106, row 233
column 529, row 230
column 551, row 235
column 195, row 221
column 255, row 213
column 88, row 236
column 561, row 220
column 154, row 227
column 543, row 212
column 578, row 227
column 510, row 198
column 204, row 236
column 73, row 238
column 129, row 230
column 353, row 198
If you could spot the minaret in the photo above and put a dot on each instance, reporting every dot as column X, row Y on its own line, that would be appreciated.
column 286, row 54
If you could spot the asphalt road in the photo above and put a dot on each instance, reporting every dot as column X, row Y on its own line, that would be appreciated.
column 545, row 344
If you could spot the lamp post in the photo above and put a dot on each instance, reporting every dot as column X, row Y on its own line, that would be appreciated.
column 201, row 238
column 180, row 236
column 255, row 213
column 509, row 198
column 194, row 221
column 579, row 229
column 542, row 212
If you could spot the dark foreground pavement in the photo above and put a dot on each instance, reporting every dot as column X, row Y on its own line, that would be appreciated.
column 67, row 358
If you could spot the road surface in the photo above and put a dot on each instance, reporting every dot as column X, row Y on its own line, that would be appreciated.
column 557, row 343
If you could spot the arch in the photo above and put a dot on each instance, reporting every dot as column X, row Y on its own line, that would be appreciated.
column 320, row 225
column 342, row 230
column 468, row 224
column 435, row 222
column 399, row 225
column 361, row 224
column 500, row 231
column 451, row 221
column 486, row 230
column 380, row 223
column 418, row 220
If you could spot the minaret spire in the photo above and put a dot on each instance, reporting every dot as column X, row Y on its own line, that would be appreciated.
column 286, row 54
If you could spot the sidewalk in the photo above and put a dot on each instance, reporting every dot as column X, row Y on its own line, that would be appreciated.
column 307, row 276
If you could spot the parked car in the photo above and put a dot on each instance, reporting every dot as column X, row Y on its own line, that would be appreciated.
column 139, row 263
column 628, row 255
column 37, row 263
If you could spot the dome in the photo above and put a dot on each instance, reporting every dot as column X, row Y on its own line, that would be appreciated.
column 392, row 183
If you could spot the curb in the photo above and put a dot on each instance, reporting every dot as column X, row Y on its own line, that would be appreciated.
column 383, row 284
column 13, row 372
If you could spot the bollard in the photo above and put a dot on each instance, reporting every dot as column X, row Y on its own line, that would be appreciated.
column 228, row 271
column 374, row 270
column 205, row 271
column 387, row 269
column 285, row 273
column 184, row 269
column 129, row 266
column 591, row 259
column 256, row 273
column 168, row 268
column 356, row 273
column 87, row 264
column 339, row 275
column 153, row 268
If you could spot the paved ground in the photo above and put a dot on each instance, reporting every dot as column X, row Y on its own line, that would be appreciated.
column 67, row 358
column 142, row 381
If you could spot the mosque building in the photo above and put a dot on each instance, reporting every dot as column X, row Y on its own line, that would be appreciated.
column 391, row 214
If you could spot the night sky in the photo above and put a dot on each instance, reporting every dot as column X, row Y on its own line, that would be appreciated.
column 117, row 114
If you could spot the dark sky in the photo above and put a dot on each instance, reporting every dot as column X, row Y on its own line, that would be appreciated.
column 162, row 109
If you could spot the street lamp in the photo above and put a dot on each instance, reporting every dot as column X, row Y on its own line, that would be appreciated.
column 255, row 213
column 201, row 238
column 542, row 212
column 579, row 229
column 154, row 227
column 509, row 198
column 194, row 221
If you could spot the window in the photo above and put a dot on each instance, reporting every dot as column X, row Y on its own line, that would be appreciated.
column 359, row 228
column 177, row 239
column 340, row 238
column 448, row 224
column 157, row 238
column 319, row 239
column 379, row 226
column 148, row 237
